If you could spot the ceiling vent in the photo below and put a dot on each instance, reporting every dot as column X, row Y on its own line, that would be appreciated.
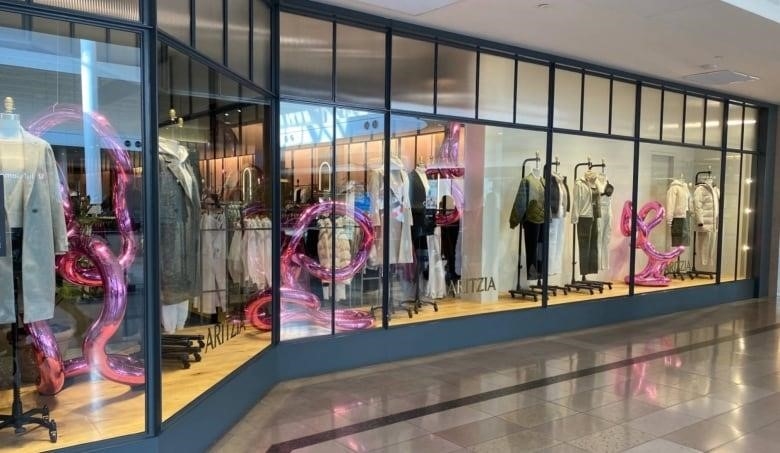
column 410, row 7
column 722, row 77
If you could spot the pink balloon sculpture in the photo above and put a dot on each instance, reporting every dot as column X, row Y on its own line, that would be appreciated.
column 300, row 305
column 447, row 166
column 653, row 273
column 91, row 262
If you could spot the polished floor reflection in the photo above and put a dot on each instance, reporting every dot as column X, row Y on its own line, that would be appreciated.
column 704, row 380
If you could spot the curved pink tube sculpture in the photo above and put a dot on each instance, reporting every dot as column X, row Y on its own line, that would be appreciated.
column 102, row 268
column 653, row 273
column 300, row 305
column 446, row 166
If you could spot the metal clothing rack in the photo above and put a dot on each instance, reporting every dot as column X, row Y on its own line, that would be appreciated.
column 519, row 290
column 551, row 289
column 584, row 284
column 693, row 273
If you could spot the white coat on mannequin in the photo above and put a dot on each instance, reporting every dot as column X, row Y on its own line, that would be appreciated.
column 399, row 219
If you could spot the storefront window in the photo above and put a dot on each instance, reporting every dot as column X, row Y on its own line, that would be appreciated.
column 332, row 198
column 588, row 253
column 215, row 227
column 685, row 182
column 72, row 287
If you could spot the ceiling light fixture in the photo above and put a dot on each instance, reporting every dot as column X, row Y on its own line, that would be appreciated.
column 720, row 77
column 542, row 5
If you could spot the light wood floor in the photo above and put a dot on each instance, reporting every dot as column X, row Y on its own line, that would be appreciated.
column 88, row 410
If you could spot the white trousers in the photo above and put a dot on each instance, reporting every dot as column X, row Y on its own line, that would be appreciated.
column 706, row 246
column 557, row 240
column 174, row 316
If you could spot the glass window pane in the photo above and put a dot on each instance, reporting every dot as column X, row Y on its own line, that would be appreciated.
column 412, row 75
column 694, row 120
column 208, row 28
column 261, row 44
column 306, row 58
column 533, row 87
column 587, row 251
column 215, row 229
column 745, row 244
column 568, row 99
column 650, row 124
column 596, row 109
column 750, row 137
column 173, row 17
column 734, row 133
column 623, row 108
column 713, row 124
column 238, row 36
column 496, row 87
column 673, row 117
column 10, row 20
column 120, row 9
column 731, row 217
column 456, row 82
column 70, row 144
column 669, row 175
column 360, row 66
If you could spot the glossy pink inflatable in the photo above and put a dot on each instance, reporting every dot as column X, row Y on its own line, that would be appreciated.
column 653, row 273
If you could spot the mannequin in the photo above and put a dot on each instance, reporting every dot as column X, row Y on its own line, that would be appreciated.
column 34, row 217
column 585, row 212
column 528, row 210
column 399, row 220
column 180, row 278
column 706, row 213
column 678, row 211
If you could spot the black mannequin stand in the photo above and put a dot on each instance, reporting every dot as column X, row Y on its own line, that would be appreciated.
column 19, row 418
column 519, row 291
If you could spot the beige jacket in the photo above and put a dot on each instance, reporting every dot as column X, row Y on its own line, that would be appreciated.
column 678, row 201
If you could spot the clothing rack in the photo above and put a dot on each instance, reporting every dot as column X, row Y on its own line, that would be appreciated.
column 584, row 284
column 676, row 271
column 693, row 273
column 551, row 288
column 519, row 290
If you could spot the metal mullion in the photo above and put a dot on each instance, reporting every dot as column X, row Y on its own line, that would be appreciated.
column 333, row 86
column 582, row 101
column 476, row 88
column 276, row 173
column 547, row 191
column 514, row 94
column 333, row 231
column 611, row 100
column 435, row 77
column 635, row 188
column 723, row 157
column 385, row 277
column 151, row 270
column 704, row 121
column 661, row 120
column 192, row 23
column 685, row 113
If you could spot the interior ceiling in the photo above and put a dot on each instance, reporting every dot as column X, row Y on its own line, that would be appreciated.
column 667, row 39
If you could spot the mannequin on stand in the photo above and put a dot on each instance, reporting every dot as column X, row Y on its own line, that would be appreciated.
column 33, row 232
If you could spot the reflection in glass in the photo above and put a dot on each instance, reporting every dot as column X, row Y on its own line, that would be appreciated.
column 238, row 36
column 261, row 44
column 747, row 224
column 306, row 57
column 731, row 217
column 672, row 128
column 596, row 109
column 456, row 82
column 568, row 99
column 215, row 227
column 694, row 120
column 496, row 87
column 532, row 93
column 71, row 160
column 412, row 75
column 208, row 29
column 623, row 110
column 685, row 183
column 173, row 17
column 750, row 133
column 650, row 117
column 360, row 66
column 734, row 133
column 713, row 124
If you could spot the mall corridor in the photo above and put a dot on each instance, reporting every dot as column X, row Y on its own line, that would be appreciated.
column 703, row 380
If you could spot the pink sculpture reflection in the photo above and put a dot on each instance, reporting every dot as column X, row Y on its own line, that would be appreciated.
column 90, row 262
column 298, row 304
column 447, row 166
column 653, row 273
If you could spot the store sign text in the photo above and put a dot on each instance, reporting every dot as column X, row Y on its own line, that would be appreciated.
column 220, row 333
column 473, row 285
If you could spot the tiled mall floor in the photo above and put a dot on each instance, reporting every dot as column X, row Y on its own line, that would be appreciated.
column 705, row 380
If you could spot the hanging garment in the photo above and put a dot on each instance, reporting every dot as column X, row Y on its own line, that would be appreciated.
column 235, row 258
column 557, row 240
column 214, row 255
column 174, row 316
column 256, row 251
column 343, row 253
column 437, row 286
column 399, row 220
column 706, row 245
column 418, row 194
column 529, row 202
column 532, row 233
column 559, row 197
column 32, row 202
column 681, row 231
column 585, row 200
column 705, row 207
column 588, row 239
column 678, row 201
column 605, row 220
column 179, row 197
